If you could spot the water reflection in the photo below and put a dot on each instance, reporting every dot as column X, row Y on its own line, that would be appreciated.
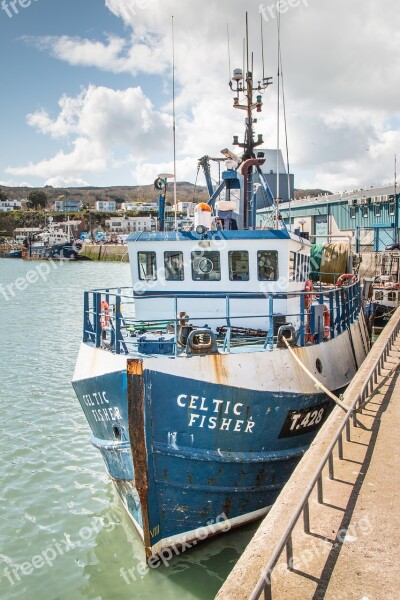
column 116, row 568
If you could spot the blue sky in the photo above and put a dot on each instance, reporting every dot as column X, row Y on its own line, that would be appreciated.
column 86, row 88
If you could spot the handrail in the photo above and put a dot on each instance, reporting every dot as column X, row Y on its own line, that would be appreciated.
column 264, row 583
column 344, row 305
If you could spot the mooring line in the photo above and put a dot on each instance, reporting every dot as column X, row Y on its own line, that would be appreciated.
column 315, row 380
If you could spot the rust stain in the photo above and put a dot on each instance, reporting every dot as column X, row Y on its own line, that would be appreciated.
column 135, row 366
column 138, row 442
column 219, row 368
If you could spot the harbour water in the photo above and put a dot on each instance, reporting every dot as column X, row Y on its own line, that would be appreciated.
column 63, row 533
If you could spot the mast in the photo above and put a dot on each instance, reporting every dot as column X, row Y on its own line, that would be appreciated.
column 396, row 204
column 174, row 125
column 242, row 84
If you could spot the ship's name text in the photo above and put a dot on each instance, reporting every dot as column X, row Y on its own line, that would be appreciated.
column 100, row 407
column 210, row 414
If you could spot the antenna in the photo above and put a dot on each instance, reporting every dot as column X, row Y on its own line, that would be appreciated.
column 244, row 60
column 262, row 47
column 278, row 108
column 174, row 123
column 229, row 52
column 247, row 39
column 286, row 139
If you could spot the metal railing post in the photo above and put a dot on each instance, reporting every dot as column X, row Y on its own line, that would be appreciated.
column 302, row 320
column 330, row 466
column 306, row 517
column 320, row 489
column 85, row 315
column 117, row 324
column 348, row 438
column 97, row 316
column 289, row 552
column 340, row 446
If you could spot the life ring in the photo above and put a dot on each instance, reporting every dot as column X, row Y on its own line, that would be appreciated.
column 104, row 314
column 346, row 277
column 327, row 323
column 308, row 298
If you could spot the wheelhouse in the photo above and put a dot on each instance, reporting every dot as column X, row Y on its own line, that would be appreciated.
column 245, row 265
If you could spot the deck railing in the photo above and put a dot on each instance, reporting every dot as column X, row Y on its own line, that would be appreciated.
column 109, row 318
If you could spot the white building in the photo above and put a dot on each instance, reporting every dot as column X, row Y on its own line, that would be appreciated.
column 10, row 205
column 106, row 205
column 129, row 224
column 136, row 206
column 67, row 205
column 187, row 208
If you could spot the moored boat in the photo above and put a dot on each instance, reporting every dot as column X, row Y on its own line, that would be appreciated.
column 194, row 381
column 52, row 244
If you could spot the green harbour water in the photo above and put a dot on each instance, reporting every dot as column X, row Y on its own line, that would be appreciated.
column 63, row 532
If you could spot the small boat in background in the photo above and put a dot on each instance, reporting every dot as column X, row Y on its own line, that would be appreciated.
column 52, row 244
column 382, row 293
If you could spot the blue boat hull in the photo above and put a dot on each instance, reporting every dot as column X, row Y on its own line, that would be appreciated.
column 187, row 455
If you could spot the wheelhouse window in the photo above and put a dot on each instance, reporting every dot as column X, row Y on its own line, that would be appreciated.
column 173, row 265
column 365, row 211
column 301, row 269
column 377, row 210
column 239, row 265
column 391, row 208
column 206, row 266
column 147, row 266
column 292, row 266
column 267, row 263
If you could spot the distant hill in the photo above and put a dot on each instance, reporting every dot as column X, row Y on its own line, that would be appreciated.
column 91, row 194
column 299, row 194
column 185, row 190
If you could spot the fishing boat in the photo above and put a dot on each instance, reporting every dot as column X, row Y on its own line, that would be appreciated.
column 382, row 292
column 52, row 244
column 206, row 381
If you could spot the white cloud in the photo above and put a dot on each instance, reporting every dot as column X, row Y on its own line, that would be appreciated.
column 99, row 120
column 63, row 182
column 146, row 173
column 342, row 77
column 14, row 183
column 132, row 55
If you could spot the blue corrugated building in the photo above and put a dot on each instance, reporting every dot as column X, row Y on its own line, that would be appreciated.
column 370, row 217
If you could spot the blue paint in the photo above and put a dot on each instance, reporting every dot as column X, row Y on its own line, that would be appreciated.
column 196, row 472
column 223, row 234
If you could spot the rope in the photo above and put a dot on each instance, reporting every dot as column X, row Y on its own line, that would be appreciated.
column 318, row 384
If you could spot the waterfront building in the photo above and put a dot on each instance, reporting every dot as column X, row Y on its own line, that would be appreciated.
column 369, row 217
